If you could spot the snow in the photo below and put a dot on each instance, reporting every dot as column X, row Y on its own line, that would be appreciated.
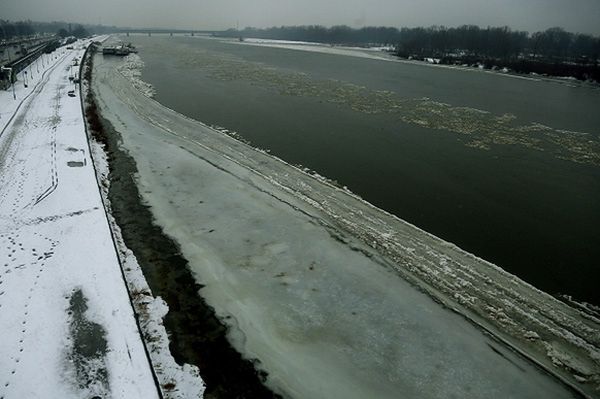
column 132, row 69
column 360, row 52
column 59, row 271
column 185, row 379
column 308, row 45
column 280, row 42
column 385, row 308
column 36, row 73
column 177, row 382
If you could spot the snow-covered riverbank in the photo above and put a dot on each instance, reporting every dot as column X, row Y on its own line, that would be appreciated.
column 313, row 281
column 68, row 328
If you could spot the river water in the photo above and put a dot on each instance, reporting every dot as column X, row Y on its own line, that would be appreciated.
column 282, row 260
column 505, row 167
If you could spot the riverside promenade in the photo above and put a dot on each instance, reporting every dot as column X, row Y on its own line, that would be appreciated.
column 68, row 327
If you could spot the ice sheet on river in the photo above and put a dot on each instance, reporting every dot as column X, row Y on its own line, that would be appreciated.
column 332, row 295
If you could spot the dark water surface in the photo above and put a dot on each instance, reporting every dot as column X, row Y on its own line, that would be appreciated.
column 518, row 185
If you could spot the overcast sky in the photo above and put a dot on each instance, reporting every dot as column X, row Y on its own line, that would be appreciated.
column 532, row 15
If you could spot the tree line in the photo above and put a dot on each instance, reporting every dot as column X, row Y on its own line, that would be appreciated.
column 10, row 30
column 498, row 42
column 439, row 41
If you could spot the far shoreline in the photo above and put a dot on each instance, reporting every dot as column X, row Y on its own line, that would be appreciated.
column 386, row 55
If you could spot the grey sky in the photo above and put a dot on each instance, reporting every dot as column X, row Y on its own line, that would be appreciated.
column 573, row 15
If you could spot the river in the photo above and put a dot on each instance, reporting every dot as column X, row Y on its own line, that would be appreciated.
column 506, row 168
column 325, row 294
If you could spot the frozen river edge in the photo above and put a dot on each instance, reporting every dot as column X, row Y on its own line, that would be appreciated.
column 559, row 338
